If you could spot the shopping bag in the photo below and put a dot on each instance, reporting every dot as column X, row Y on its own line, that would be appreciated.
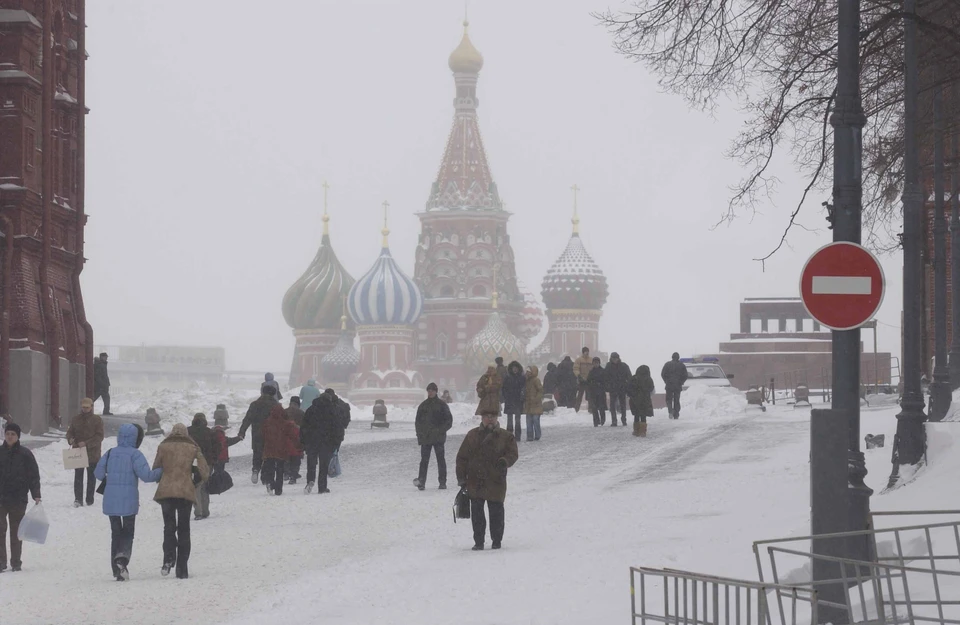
column 334, row 469
column 461, row 505
column 75, row 458
column 220, row 482
column 34, row 526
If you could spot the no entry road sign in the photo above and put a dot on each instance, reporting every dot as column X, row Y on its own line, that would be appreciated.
column 842, row 285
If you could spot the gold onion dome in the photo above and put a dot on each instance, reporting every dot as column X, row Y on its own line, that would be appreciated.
column 466, row 59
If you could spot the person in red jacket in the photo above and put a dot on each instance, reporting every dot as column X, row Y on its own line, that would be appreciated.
column 280, row 437
column 295, row 414
column 222, row 444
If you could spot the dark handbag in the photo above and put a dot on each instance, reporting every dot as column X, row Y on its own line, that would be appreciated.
column 461, row 505
column 103, row 485
column 219, row 483
column 197, row 478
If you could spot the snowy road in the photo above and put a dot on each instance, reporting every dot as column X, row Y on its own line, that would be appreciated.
column 583, row 505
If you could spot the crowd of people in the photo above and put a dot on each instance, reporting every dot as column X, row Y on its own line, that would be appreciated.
column 191, row 461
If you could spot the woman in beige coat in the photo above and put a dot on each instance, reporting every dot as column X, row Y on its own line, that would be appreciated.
column 176, row 495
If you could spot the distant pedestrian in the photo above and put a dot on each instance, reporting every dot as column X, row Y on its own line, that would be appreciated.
column 482, row 462
column 85, row 431
column 268, row 380
column 176, row 494
column 514, row 386
column 533, row 402
column 257, row 414
column 309, row 392
column 502, row 372
column 19, row 475
column 446, row 397
column 674, row 375
column 597, row 393
column 152, row 419
column 223, row 443
column 582, row 368
column 640, row 389
column 221, row 417
column 320, row 436
column 551, row 382
column 295, row 414
column 202, row 435
column 567, row 383
column 617, row 374
column 432, row 424
column 122, row 468
column 488, row 391
column 279, row 434
column 101, row 382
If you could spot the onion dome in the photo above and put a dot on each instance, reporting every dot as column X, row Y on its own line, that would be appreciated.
column 574, row 281
column 314, row 301
column 531, row 317
column 466, row 59
column 495, row 339
column 342, row 361
column 385, row 295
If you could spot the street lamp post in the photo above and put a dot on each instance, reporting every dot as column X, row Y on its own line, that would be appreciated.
column 910, row 442
column 940, row 394
column 955, row 253
column 848, row 120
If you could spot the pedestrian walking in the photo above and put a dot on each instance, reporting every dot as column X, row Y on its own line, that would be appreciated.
column 433, row 422
column 270, row 381
column 640, row 388
column 122, row 468
column 176, row 494
column 597, row 393
column 309, row 392
column 295, row 414
column 101, row 382
column 618, row 375
column 321, row 436
column 221, row 417
column 202, row 435
column 533, row 402
column 278, row 431
column 19, row 476
column 512, row 391
column 674, row 375
column 567, row 383
column 582, row 368
column 152, row 419
column 551, row 382
column 85, row 431
column 485, row 455
column 223, row 443
column 257, row 414
column 488, row 391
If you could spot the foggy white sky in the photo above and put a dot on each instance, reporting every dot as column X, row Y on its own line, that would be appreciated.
column 215, row 123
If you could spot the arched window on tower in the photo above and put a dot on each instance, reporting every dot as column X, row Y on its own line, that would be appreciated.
column 479, row 291
column 442, row 346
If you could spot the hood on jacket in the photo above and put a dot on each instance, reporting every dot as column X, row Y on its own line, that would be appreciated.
column 515, row 367
column 127, row 436
column 491, row 370
column 179, row 429
column 534, row 372
column 614, row 356
column 643, row 371
column 140, row 434
column 200, row 419
column 268, row 377
column 311, row 382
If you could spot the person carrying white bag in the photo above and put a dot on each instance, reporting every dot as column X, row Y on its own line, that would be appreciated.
column 19, row 475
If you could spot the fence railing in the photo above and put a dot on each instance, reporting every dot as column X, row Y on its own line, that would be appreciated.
column 682, row 598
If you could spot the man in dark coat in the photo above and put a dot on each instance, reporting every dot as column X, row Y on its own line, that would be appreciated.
column 19, row 475
column 514, row 385
column 202, row 435
column 257, row 414
column 433, row 422
column 101, row 382
column 342, row 408
column 618, row 375
column 674, row 376
column 482, row 462
column 550, row 382
column 320, row 436
column 597, row 393
column 567, row 381
column 502, row 372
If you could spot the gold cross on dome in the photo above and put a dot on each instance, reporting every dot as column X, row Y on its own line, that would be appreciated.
column 326, row 217
column 386, row 231
column 576, row 217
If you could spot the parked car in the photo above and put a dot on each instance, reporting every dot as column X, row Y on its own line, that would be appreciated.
column 705, row 372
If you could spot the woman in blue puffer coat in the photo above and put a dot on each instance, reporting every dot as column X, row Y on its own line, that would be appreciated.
column 122, row 467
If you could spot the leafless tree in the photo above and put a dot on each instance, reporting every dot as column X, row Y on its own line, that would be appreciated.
column 776, row 59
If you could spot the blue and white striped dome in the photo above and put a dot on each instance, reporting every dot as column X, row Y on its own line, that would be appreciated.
column 385, row 295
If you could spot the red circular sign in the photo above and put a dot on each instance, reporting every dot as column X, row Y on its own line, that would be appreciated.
column 842, row 285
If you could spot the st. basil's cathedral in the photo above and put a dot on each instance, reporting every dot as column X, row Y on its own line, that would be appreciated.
column 462, row 308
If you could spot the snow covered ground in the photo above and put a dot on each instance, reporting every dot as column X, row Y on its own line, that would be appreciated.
column 583, row 505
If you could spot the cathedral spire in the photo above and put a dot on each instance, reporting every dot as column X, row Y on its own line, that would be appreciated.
column 326, row 216
column 386, row 231
column 576, row 216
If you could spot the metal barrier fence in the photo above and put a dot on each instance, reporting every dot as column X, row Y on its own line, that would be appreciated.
column 676, row 597
column 887, row 588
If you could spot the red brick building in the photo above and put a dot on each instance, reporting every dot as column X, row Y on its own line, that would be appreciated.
column 45, row 340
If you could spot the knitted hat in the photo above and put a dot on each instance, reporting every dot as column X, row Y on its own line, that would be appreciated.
column 432, row 387
column 12, row 427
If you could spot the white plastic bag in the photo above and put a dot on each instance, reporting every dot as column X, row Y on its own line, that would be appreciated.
column 34, row 526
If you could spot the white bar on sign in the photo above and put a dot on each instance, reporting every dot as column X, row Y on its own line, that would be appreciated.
column 842, row 285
